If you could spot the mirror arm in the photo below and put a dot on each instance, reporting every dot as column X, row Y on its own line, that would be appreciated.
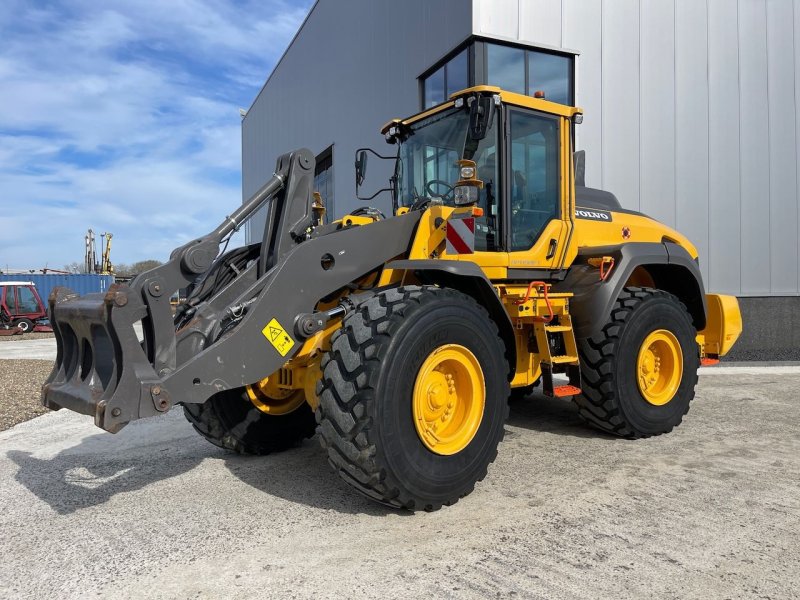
column 373, row 195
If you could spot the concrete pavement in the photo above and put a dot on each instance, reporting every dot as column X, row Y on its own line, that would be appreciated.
column 711, row 510
column 41, row 349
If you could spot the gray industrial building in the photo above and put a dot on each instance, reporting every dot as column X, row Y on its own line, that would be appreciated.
column 690, row 114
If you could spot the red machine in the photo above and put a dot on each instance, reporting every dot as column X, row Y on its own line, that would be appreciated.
column 21, row 306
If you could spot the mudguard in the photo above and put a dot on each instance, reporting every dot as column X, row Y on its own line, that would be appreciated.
column 671, row 266
column 466, row 277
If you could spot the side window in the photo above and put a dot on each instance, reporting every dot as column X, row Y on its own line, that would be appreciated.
column 26, row 301
column 323, row 181
column 486, row 238
column 535, row 197
column 11, row 299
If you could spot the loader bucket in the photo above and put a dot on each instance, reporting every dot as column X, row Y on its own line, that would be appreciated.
column 101, row 368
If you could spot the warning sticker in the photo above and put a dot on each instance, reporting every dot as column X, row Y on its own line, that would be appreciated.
column 277, row 336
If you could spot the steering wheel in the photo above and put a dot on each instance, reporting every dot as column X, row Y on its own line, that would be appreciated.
column 429, row 188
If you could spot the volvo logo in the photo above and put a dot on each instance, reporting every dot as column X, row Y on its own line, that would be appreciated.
column 593, row 215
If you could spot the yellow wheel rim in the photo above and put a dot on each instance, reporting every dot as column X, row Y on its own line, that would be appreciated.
column 659, row 367
column 271, row 399
column 449, row 399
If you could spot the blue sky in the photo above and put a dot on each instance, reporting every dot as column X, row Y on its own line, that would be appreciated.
column 123, row 116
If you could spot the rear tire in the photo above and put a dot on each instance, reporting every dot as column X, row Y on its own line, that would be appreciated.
column 369, row 413
column 229, row 420
column 613, row 399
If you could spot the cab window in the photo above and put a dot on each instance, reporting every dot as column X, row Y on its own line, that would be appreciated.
column 26, row 301
column 534, row 185
column 11, row 299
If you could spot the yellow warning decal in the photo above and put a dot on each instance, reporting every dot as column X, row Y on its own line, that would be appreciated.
column 277, row 336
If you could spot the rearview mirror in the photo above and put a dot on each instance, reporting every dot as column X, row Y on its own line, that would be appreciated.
column 481, row 114
column 361, row 167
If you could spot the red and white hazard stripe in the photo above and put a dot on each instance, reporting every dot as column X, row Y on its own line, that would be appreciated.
column 461, row 236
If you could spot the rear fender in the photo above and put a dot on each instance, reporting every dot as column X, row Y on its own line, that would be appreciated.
column 469, row 279
column 670, row 266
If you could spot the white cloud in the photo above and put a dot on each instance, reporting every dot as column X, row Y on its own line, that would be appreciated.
column 125, row 119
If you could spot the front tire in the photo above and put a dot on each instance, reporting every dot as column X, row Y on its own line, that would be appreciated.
column 231, row 421
column 640, row 371
column 413, row 398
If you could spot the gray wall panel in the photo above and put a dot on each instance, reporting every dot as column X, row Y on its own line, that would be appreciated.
column 724, row 198
column 657, row 110
column 621, row 100
column 754, row 147
column 353, row 67
column 691, row 124
column 782, row 148
column 583, row 30
column 796, row 54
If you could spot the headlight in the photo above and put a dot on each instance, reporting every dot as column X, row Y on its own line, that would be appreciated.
column 467, row 172
column 465, row 194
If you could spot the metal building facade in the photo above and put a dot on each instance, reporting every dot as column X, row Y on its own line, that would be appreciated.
column 690, row 108
column 352, row 66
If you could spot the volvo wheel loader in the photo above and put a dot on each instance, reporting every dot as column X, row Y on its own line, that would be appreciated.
column 400, row 338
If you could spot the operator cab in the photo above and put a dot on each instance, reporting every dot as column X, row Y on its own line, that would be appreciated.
column 516, row 144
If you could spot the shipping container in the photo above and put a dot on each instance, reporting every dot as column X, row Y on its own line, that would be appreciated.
column 81, row 284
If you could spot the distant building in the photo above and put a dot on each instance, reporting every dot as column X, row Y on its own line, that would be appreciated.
column 690, row 114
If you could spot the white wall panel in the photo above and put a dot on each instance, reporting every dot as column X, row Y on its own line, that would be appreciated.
column 499, row 18
column 583, row 31
column 657, row 110
column 782, row 148
column 621, row 100
column 540, row 21
column 691, row 125
column 724, row 198
column 754, row 147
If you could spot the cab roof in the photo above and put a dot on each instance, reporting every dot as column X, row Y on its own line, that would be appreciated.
column 510, row 98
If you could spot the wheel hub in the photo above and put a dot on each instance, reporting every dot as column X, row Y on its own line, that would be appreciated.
column 449, row 399
column 268, row 397
column 659, row 367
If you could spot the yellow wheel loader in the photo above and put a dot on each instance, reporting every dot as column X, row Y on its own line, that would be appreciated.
column 399, row 338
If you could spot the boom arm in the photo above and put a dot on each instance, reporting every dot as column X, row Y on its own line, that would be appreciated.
column 238, row 335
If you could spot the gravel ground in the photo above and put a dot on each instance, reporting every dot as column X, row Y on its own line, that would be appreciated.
column 26, row 336
column 20, row 383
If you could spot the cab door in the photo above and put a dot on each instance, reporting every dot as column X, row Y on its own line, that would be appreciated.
column 536, row 192
column 28, row 303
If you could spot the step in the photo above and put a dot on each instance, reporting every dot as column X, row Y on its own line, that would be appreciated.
column 562, row 391
column 563, row 359
column 557, row 328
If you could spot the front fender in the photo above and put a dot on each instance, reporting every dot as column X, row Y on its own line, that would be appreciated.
column 468, row 278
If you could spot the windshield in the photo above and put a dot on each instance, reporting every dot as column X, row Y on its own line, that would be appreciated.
column 426, row 162
column 427, row 170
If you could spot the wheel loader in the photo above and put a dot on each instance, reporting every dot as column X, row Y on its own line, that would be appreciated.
column 400, row 338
